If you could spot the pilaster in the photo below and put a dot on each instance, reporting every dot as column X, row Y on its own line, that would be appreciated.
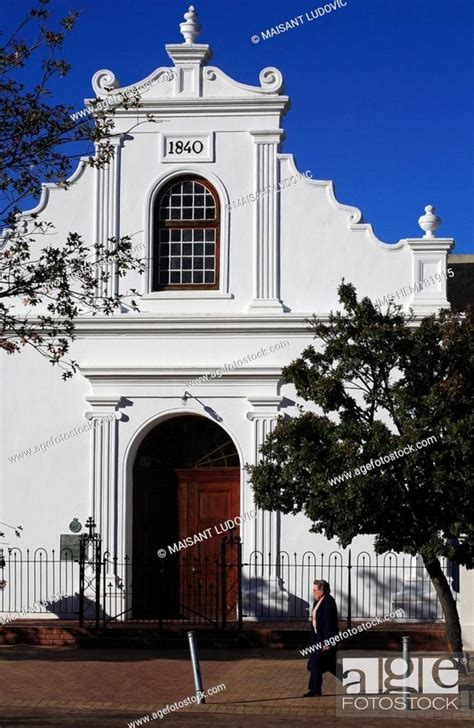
column 266, row 530
column 189, row 61
column 107, row 215
column 266, row 222
column 104, row 415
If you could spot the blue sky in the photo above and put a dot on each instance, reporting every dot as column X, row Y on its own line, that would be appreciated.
column 381, row 90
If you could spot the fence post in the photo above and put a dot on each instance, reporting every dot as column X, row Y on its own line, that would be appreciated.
column 216, row 593
column 349, row 590
column 104, row 619
column 94, row 562
column 223, row 584
column 82, row 562
column 239, row 582
column 98, row 571
column 161, row 571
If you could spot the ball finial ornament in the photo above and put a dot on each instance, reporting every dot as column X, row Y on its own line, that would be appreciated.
column 429, row 222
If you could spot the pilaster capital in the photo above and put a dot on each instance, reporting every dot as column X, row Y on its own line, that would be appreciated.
column 117, row 140
column 267, row 136
column 429, row 245
column 264, row 407
column 103, row 406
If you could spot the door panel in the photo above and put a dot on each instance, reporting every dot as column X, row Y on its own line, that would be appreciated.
column 207, row 498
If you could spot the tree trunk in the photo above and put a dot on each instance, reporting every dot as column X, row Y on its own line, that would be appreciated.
column 448, row 605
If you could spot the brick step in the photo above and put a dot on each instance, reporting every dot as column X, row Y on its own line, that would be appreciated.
column 424, row 637
column 257, row 640
column 40, row 634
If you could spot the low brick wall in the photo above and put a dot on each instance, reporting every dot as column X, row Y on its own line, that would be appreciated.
column 424, row 636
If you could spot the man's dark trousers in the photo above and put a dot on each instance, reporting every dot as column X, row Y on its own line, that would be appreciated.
column 319, row 663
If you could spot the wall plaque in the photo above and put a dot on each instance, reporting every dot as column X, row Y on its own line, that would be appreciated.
column 71, row 543
column 187, row 147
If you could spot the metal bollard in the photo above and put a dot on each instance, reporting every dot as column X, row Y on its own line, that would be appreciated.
column 196, row 668
column 406, row 644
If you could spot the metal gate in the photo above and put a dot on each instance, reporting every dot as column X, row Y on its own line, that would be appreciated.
column 90, row 572
column 231, row 580
column 210, row 590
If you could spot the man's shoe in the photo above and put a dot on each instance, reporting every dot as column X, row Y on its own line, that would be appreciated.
column 311, row 694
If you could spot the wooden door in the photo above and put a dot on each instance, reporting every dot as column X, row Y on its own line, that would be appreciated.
column 155, row 581
column 207, row 498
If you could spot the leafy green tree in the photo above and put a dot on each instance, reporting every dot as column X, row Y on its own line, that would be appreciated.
column 381, row 383
column 39, row 141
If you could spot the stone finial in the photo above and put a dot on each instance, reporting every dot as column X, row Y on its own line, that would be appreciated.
column 190, row 29
column 429, row 222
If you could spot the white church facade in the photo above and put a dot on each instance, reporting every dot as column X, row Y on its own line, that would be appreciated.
column 151, row 437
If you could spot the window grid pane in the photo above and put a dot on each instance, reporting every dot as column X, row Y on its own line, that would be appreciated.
column 184, row 262
column 187, row 239
column 187, row 201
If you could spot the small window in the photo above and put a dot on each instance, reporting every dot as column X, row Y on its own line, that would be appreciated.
column 186, row 236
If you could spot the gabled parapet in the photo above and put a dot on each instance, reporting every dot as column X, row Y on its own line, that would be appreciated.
column 191, row 78
column 285, row 241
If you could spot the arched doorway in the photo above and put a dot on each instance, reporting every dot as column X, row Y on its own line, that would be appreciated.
column 186, row 479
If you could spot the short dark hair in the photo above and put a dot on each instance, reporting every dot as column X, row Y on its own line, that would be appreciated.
column 322, row 586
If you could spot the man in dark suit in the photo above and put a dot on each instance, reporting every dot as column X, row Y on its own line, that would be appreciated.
column 324, row 624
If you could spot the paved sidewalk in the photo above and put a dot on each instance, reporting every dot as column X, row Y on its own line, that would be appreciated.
column 60, row 686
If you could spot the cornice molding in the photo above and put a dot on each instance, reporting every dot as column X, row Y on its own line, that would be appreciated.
column 187, row 325
column 126, row 375
column 103, row 400
column 171, row 107
column 429, row 245
column 182, row 54
column 196, row 325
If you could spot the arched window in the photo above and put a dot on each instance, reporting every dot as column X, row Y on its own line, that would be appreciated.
column 186, row 235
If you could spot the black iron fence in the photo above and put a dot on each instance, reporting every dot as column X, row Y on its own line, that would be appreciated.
column 225, row 590
column 31, row 576
column 364, row 586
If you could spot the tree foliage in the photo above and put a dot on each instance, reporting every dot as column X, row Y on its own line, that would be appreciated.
column 39, row 141
column 378, row 383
